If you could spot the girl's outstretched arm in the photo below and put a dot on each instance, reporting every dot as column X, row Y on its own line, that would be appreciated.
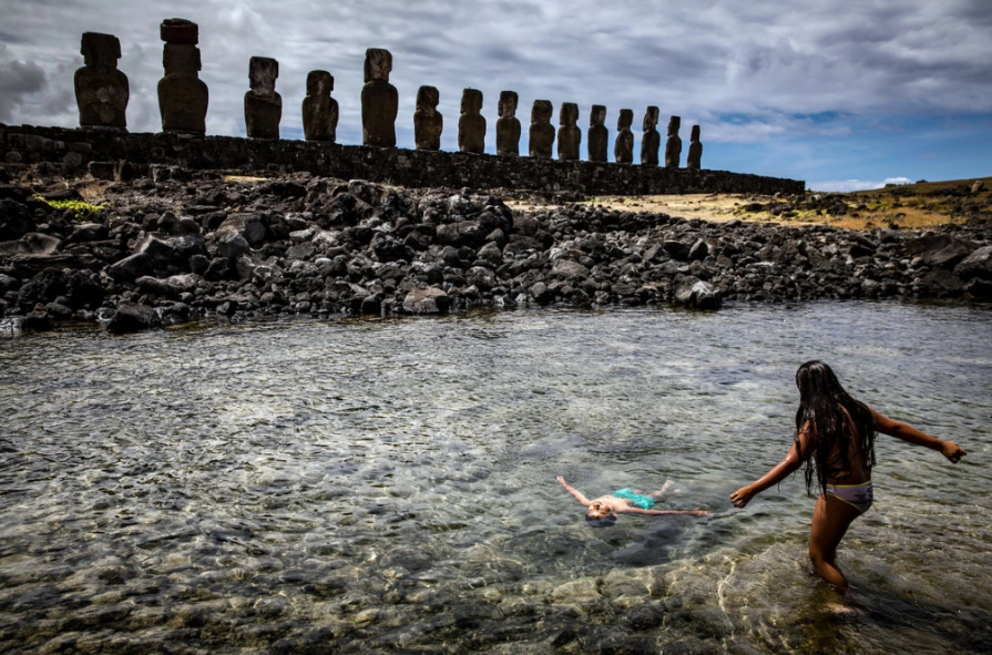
column 779, row 472
column 908, row 433
column 575, row 492
column 660, row 512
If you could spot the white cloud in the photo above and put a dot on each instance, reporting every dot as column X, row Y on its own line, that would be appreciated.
column 846, row 186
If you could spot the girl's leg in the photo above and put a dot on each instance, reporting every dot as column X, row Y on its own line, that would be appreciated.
column 831, row 518
column 658, row 495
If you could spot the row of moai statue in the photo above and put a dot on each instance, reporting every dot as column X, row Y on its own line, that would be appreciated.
column 102, row 94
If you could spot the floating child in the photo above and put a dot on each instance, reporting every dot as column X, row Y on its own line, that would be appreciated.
column 602, row 512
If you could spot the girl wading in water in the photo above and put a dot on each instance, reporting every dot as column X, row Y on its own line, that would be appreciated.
column 835, row 438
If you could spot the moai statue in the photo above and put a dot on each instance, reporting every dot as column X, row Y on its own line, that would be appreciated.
column 182, row 95
column 695, row 157
column 542, row 132
column 623, row 149
column 507, row 126
column 320, row 110
column 569, row 134
column 472, row 124
column 102, row 91
column 599, row 136
column 427, row 120
column 650, row 140
column 380, row 102
column 673, row 147
column 263, row 106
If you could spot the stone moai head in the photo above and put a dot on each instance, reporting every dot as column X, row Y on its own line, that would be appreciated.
column 569, row 114
column 508, row 104
column 626, row 119
column 674, row 123
column 180, row 56
column 694, row 135
column 100, row 49
column 319, row 83
column 263, row 71
column 597, row 115
column 650, row 119
column 179, row 30
column 542, row 112
column 378, row 64
column 471, row 101
column 427, row 99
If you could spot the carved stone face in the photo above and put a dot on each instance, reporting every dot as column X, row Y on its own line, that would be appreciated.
column 597, row 116
column 508, row 104
column 695, row 133
column 427, row 99
column 319, row 83
column 378, row 64
column 100, row 49
column 674, row 123
column 263, row 71
column 181, row 59
column 626, row 119
column 542, row 111
column 471, row 101
column 569, row 113
column 651, row 118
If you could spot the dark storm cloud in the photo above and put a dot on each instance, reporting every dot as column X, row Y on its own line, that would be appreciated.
column 769, row 61
column 18, row 79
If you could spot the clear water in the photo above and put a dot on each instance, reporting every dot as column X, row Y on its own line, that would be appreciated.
column 390, row 486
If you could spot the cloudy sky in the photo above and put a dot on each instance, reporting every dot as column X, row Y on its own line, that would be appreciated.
column 841, row 94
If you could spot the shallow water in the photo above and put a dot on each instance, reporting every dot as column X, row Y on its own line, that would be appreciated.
column 389, row 486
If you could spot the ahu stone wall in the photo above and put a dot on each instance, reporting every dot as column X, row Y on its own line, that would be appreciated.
column 135, row 154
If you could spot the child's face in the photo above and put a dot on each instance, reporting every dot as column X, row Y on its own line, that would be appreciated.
column 598, row 510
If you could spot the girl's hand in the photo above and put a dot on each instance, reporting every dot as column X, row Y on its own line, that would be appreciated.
column 952, row 451
column 562, row 480
column 742, row 496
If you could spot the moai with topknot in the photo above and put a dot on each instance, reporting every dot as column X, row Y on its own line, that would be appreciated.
column 599, row 136
column 542, row 132
column 472, row 124
column 569, row 134
column 263, row 106
column 650, row 139
column 695, row 158
column 320, row 110
column 182, row 95
column 507, row 126
column 380, row 101
column 427, row 120
column 102, row 91
column 673, row 146
column 623, row 149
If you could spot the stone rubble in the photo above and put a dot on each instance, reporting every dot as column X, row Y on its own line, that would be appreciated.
column 196, row 246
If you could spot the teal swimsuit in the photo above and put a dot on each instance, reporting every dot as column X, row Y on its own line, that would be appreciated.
column 640, row 500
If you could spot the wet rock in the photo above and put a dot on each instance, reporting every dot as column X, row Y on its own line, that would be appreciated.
column 411, row 559
column 39, row 320
column 43, row 288
column 131, row 317
column 426, row 301
column 693, row 293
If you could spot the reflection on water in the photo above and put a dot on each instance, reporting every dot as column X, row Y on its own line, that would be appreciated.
column 389, row 486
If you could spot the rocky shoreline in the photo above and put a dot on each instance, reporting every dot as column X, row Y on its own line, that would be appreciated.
column 181, row 246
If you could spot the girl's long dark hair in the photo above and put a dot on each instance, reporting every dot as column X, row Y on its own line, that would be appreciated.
column 820, row 400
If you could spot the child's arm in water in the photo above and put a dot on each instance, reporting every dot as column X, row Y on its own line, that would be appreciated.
column 660, row 512
column 575, row 492
column 908, row 433
column 782, row 470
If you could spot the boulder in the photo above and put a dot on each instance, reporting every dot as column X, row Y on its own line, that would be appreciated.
column 568, row 269
column 693, row 293
column 131, row 317
column 426, row 301
column 250, row 226
column 976, row 265
column 941, row 250
column 15, row 220
column 32, row 243
column 43, row 288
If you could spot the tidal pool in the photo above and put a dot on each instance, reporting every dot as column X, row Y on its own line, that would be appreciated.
column 389, row 486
